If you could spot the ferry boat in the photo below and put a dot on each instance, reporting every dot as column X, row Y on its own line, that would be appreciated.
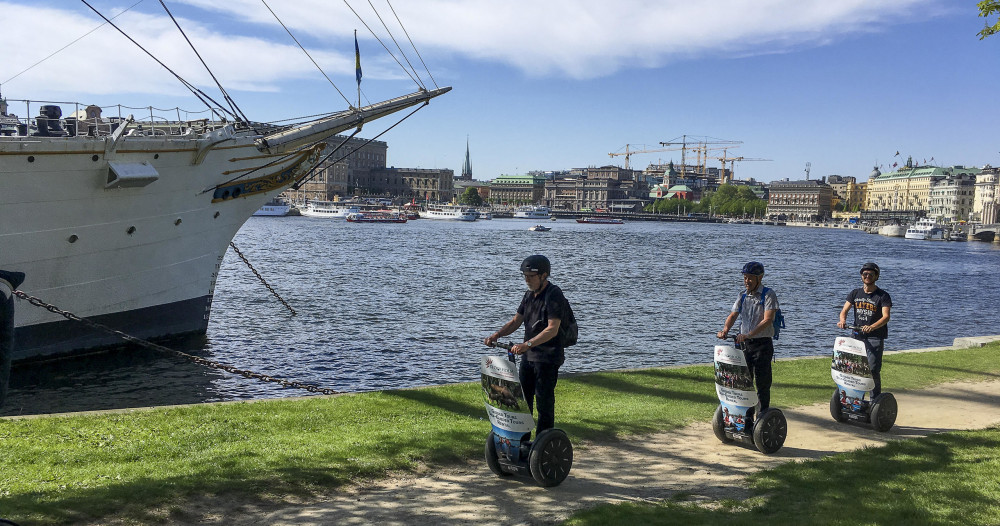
column 484, row 214
column 125, row 221
column 328, row 209
column 454, row 213
column 894, row 230
column 600, row 221
column 925, row 228
column 376, row 217
column 533, row 212
column 275, row 207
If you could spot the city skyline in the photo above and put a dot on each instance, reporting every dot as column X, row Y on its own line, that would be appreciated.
column 843, row 87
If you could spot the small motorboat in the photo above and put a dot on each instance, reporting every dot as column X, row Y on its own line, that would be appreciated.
column 540, row 228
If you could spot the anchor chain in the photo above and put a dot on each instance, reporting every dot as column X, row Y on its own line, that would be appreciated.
column 150, row 345
column 261, row 278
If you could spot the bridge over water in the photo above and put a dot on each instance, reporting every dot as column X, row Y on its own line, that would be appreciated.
column 985, row 232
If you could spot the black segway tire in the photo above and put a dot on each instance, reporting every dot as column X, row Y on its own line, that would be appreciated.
column 719, row 427
column 836, row 409
column 492, row 458
column 551, row 457
column 770, row 430
column 884, row 411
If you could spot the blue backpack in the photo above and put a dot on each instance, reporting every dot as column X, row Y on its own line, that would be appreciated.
column 779, row 319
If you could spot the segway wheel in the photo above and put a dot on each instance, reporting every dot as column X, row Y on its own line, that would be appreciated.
column 719, row 427
column 492, row 458
column 836, row 409
column 551, row 457
column 770, row 430
column 884, row 410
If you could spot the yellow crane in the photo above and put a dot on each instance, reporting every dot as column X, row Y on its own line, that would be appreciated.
column 732, row 162
column 628, row 153
column 701, row 145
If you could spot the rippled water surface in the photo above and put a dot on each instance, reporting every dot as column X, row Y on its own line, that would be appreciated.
column 385, row 306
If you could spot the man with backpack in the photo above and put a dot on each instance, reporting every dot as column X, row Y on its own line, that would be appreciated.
column 543, row 311
column 756, row 309
column 872, row 306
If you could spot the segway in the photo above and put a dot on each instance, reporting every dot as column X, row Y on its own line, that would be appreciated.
column 509, row 448
column 852, row 374
column 735, row 419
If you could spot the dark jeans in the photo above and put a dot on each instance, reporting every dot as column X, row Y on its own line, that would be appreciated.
column 538, row 381
column 758, row 353
column 874, row 348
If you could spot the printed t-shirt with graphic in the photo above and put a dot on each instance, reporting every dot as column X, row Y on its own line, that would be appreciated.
column 868, row 309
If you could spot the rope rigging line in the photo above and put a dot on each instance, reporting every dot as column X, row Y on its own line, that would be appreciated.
column 225, row 95
column 369, row 141
column 156, row 347
column 60, row 50
column 306, row 52
column 405, row 32
column 397, row 44
column 306, row 177
column 383, row 43
column 194, row 90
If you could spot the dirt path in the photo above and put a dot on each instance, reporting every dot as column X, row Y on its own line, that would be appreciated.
column 650, row 468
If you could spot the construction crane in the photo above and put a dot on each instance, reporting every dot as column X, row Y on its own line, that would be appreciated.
column 732, row 162
column 628, row 153
column 700, row 145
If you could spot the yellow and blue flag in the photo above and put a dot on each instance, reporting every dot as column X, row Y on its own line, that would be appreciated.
column 357, row 59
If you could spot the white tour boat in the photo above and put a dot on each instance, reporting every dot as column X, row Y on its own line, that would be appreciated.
column 276, row 207
column 328, row 210
column 927, row 229
column 454, row 213
column 533, row 212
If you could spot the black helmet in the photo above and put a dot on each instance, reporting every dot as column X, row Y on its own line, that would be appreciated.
column 536, row 263
column 753, row 268
column 871, row 266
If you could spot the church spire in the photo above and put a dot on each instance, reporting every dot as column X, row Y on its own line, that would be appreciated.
column 467, row 167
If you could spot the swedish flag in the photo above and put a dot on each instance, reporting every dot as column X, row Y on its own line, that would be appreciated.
column 357, row 59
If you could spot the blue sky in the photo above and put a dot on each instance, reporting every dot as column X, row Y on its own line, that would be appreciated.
column 560, row 84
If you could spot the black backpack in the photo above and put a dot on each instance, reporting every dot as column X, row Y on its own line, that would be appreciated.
column 569, row 331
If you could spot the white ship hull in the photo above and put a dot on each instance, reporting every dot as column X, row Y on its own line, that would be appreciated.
column 130, row 230
column 536, row 212
column 453, row 214
column 143, row 260
column 328, row 211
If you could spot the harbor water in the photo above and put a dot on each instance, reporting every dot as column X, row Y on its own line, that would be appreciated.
column 383, row 306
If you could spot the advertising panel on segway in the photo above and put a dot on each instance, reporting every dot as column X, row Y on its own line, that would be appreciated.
column 736, row 416
column 509, row 450
column 852, row 399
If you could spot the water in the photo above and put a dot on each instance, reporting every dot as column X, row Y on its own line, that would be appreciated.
column 386, row 306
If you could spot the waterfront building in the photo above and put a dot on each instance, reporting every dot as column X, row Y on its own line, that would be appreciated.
column 429, row 184
column 951, row 198
column 986, row 201
column 337, row 177
column 907, row 189
column 806, row 200
column 517, row 189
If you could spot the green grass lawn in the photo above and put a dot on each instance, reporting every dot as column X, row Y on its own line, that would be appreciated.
column 74, row 468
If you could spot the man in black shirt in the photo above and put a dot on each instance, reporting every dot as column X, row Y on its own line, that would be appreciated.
column 541, row 312
column 871, row 317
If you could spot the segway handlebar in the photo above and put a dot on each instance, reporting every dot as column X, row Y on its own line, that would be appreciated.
column 508, row 346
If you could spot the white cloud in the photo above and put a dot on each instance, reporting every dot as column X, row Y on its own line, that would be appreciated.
column 247, row 50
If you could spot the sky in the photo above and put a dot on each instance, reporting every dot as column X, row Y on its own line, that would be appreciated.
column 843, row 86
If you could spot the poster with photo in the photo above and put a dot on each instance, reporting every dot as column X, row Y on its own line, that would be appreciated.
column 734, row 387
column 851, row 371
column 504, row 398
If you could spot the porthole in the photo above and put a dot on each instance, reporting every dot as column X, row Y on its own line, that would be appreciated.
column 130, row 231
column 72, row 238
column 31, row 158
column 94, row 158
column 216, row 215
column 156, row 156
column 177, row 222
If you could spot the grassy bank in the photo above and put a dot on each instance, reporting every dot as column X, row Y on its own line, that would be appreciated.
column 65, row 469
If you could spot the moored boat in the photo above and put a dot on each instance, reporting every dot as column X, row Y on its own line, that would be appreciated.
column 276, row 207
column 454, row 213
column 125, row 221
column 600, row 220
column 376, row 217
column 328, row 209
column 927, row 229
column 893, row 230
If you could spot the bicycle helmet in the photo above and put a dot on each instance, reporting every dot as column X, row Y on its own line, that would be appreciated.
column 753, row 268
column 871, row 266
column 536, row 263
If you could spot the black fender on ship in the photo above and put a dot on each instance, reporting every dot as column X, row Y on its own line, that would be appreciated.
column 9, row 282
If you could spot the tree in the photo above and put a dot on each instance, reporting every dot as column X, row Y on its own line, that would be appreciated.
column 470, row 197
column 987, row 8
